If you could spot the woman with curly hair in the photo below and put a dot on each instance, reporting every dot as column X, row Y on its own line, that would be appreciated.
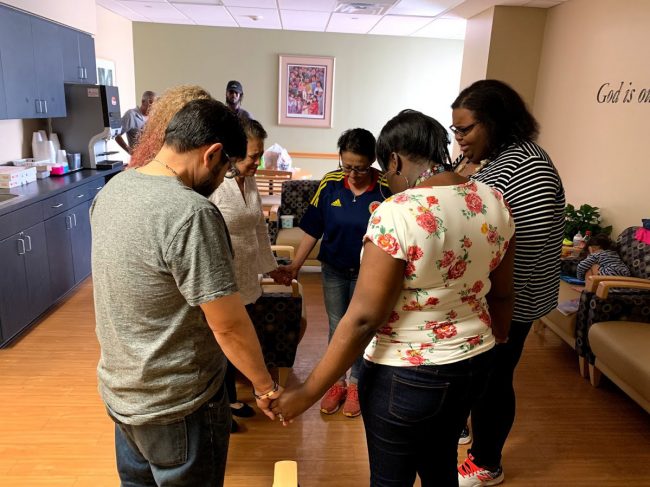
column 153, row 133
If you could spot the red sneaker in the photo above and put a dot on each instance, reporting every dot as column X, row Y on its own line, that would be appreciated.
column 333, row 398
column 351, row 408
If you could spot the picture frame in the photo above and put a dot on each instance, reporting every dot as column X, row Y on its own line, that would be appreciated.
column 306, row 91
column 105, row 72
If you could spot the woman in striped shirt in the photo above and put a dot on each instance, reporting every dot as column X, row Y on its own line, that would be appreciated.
column 496, row 134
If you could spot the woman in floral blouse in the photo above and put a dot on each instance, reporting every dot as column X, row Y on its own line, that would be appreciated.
column 437, row 256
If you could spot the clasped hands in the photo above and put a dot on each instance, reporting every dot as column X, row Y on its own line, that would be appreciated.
column 284, row 274
column 286, row 404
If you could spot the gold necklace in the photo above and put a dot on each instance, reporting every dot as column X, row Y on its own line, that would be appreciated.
column 168, row 168
column 461, row 167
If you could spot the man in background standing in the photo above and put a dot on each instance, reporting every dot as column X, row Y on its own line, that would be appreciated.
column 133, row 121
column 234, row 97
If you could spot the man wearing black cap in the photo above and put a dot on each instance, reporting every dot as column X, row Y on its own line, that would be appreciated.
column 234, row 97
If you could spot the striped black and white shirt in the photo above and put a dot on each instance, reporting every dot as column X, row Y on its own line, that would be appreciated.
column 532, row 187
column 609, row 263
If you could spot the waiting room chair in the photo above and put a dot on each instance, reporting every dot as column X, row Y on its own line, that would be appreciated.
column 295, row 198
column 612, row 299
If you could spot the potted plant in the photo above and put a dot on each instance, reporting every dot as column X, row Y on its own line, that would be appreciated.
column 585, row 218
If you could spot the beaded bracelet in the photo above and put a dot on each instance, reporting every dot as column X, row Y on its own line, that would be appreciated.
column 268, row 394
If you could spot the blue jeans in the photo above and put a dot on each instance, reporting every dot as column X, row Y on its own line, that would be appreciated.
column 189, row 452
column 413, row 417
column 338, row 288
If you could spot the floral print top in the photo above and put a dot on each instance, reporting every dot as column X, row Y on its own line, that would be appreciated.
column 451, row 238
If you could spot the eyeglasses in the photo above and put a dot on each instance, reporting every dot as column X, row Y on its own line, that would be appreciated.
column 349, row 169
column 232, row 171
column 463, row 131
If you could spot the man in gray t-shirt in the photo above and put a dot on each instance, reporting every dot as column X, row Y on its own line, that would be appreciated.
column 133, row 122
column 167, row 307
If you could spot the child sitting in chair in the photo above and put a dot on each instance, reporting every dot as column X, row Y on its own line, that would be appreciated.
column 602, row 259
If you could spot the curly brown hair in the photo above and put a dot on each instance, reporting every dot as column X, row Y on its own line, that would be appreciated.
column 153, row 135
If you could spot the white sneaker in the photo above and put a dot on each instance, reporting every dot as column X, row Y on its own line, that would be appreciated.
column 471, row 475
column 465, row 436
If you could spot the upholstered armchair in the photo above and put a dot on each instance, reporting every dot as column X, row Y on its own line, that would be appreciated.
column 612, row 299
column 296, row 195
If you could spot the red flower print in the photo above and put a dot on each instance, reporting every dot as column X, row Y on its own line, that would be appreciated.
column 409, row 270
column 427, row 221
column 484, row 316
column 373, row 206
column 432, row 301
column 452, row 315
column 506, row 245
column 432, row 200
column 473, row 341
column 494, row 263
column 497, row 194
column 430, row 324
column 375, row 220
column 414, row 357
column 457, row 270
column 474, row 203
column 492, row 236
column 412, row 306
column 388, row 243
column 414, row 253
column 444, row 330
column 447, row 258
column 467, row 243
column 385, row 330
column 393, row 317
column 476, row 288
column 401, row 198
column 472, row 186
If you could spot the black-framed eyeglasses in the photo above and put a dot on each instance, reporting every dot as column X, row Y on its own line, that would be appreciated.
column 232, row 171
column 462, row 131
column 349, row 169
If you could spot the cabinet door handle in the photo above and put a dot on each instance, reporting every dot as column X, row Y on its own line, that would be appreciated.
column 21, row 246
column 38, row 107
column 85, row 73
column 68, row 222
column 81, row 72
column 57, row 206
column 74, row 217
column 45, row 103
column 98, row 188
column 80, row 195
column 29, row 243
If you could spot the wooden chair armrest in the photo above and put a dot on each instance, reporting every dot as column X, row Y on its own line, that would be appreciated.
column 593, row 281
column 273, row 213
column 284, row 248
column 631, row 283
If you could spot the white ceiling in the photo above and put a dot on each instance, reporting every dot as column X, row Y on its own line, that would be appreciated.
column 418, row 18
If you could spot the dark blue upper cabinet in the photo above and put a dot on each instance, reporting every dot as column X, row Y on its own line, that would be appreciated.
column 78, row 51
column 3, row 101
column 48, row 64
column 17, row 54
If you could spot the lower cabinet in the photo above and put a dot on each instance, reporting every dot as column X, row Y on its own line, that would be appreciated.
column 24, row 281
column 68, row 248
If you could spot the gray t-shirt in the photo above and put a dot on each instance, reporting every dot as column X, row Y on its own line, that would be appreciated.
column 159, row 250
column 132, row 123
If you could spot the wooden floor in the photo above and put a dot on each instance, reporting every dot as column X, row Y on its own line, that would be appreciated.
column 54, row 431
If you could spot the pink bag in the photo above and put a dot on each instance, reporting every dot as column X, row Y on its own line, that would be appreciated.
column 642, row 235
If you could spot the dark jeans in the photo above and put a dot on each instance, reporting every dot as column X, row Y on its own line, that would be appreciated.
column 413, row 417
column 493, row 414
column 190, row 452
column 338, row 288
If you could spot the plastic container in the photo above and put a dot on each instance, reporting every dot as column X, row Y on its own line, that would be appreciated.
column 286, row 221
column 577, row 239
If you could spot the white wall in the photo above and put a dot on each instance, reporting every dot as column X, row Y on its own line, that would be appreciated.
column 375, row 76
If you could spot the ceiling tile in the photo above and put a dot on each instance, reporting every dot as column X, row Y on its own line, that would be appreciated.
column 250, row 3
column 444, row 29
column 399, row 25
column 157, row 12
column 201, row 2
column 311, row 5
column 208, row 15
column 300, row 20
column 256, row 18
column 119, row 9
column 423, row 8
column 352, row 24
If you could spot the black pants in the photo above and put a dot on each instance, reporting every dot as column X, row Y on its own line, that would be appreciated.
column 493, row 414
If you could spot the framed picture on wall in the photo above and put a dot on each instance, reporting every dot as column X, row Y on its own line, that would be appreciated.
column 105, row 72
column 306, row 91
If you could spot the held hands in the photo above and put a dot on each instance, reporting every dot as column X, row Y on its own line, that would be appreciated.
column 264, row 403
column 281, row 276
column 293, row 402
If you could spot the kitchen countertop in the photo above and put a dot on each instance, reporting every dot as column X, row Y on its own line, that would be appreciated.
column 45, row 188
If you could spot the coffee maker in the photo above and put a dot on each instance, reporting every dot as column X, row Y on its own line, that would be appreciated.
column 93, row 119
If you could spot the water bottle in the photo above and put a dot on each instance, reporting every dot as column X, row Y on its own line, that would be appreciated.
column 577, row 241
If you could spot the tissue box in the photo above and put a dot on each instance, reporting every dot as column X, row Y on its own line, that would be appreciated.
column 12, row 176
